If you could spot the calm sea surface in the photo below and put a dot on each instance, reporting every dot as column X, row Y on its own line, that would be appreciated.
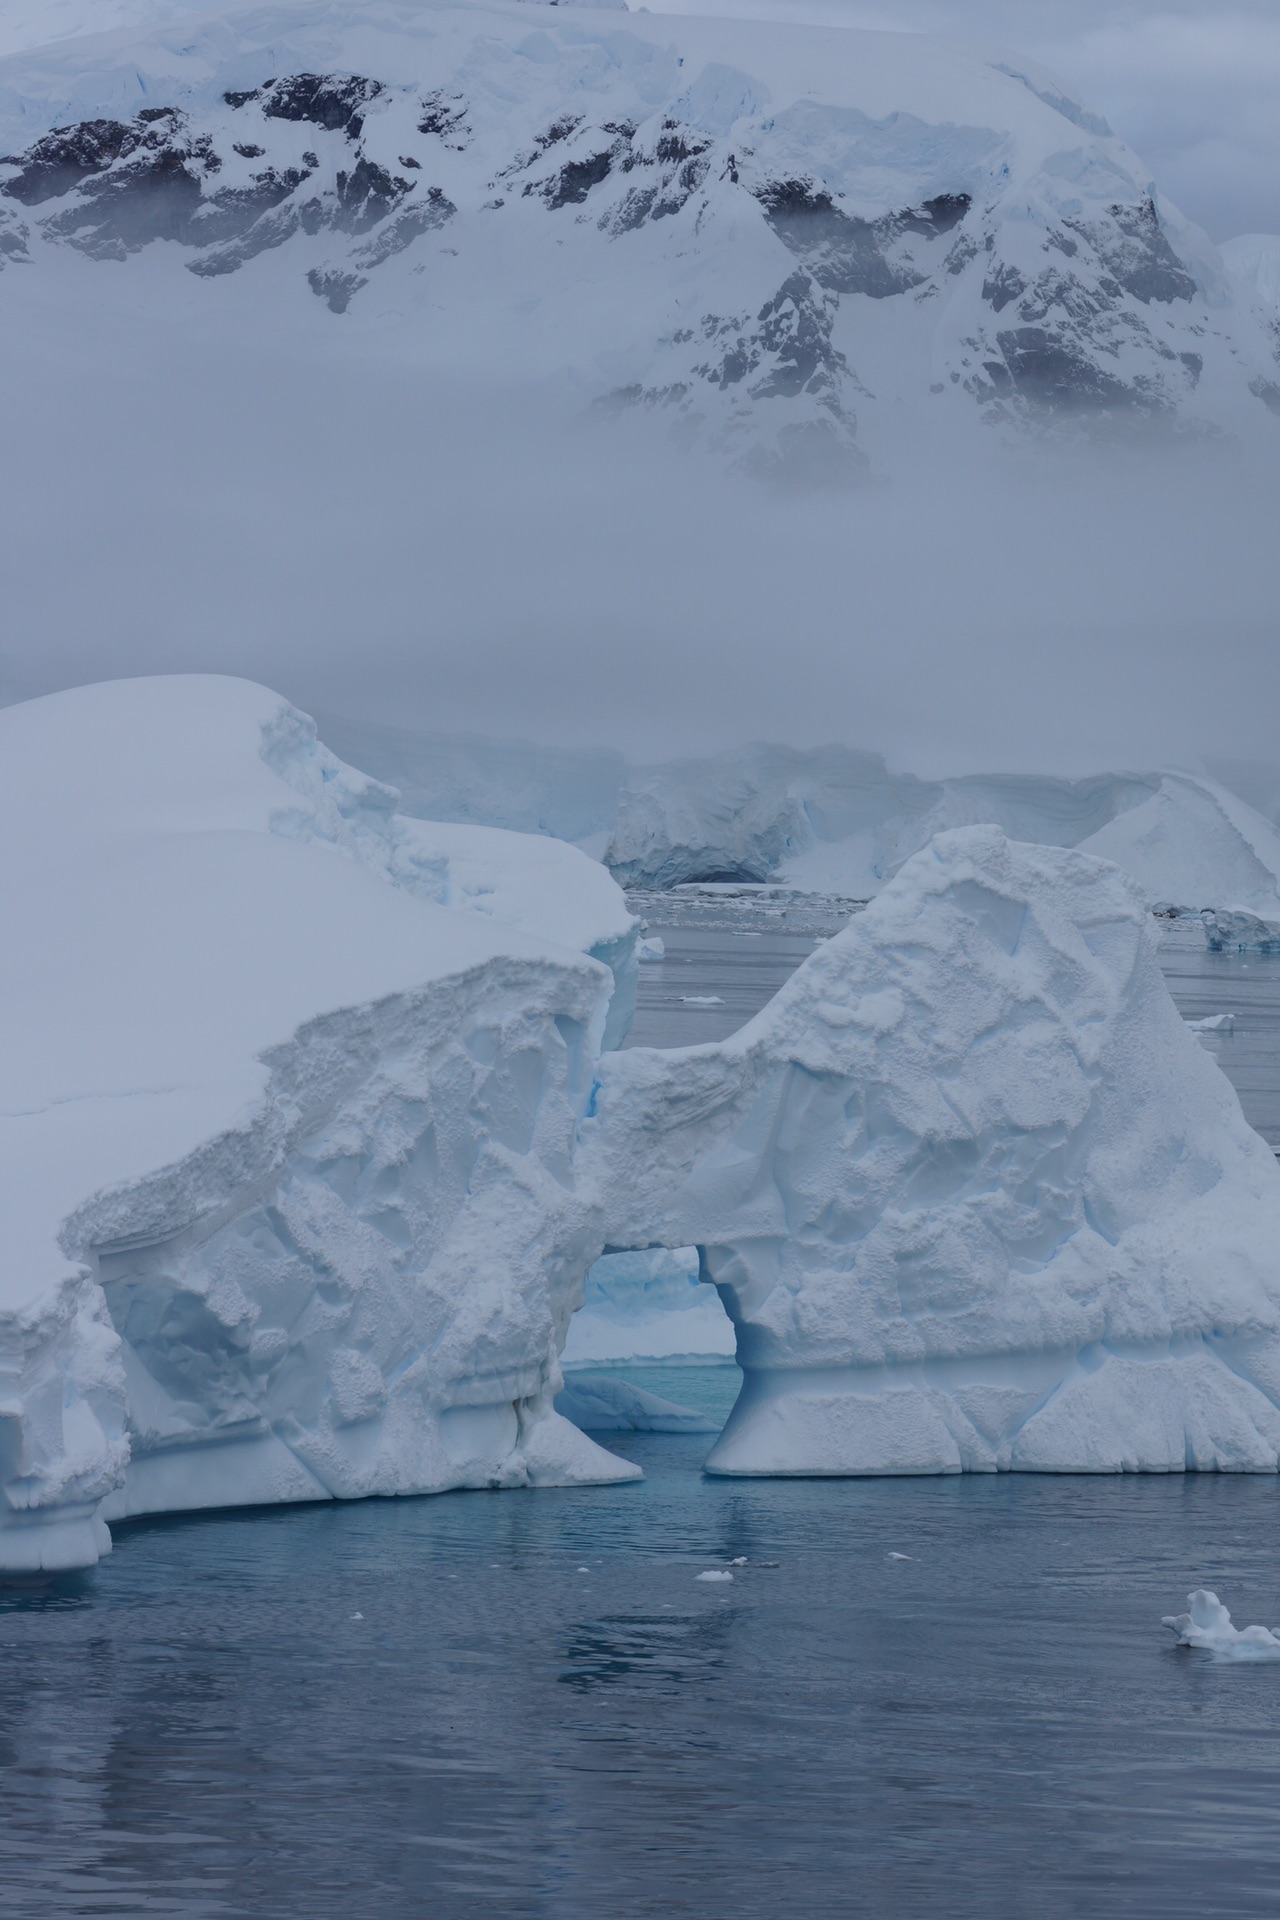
column 527, row 1705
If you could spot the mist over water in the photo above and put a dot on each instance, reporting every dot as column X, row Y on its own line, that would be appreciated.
column 315, row 509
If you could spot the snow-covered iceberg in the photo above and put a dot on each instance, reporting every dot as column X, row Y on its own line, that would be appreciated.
column 972, row 1194
column 289, row 1097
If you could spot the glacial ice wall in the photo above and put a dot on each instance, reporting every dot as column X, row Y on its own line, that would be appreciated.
column 972, row 1195
column 287, row 1112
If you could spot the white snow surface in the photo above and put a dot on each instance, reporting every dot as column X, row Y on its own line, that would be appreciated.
column 285, row 1142
column 799, row 247
column 972, row 1194
column 1207, row 1624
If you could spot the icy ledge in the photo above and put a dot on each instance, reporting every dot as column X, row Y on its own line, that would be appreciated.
column 973, row 1196
column 288, row 1101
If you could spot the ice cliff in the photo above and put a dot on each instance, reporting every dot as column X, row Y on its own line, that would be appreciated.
column 289, row 1097
column 836, row 819
column 972, row 1195
column 791, row 238
column 310, row 1135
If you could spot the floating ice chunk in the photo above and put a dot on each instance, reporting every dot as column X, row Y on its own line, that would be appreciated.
column 652, row 947
column 1212, row 1023
column 1207, row 1624
column 899, row 1556
column 702, row 999
column 741, row 1561
column 1239, row 932
column 714, row 1574
column 600, row 1404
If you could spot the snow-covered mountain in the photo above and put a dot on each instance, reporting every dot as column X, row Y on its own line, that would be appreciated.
column 794, row 245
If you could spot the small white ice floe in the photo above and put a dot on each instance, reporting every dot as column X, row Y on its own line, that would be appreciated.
column 1213, row 1023
column 651, row 948
column 741, row 1561
column 357, row 1616
column 584, row 1569
column 899, row 1556
column 1208, row 1625
column 702, row 999
column 713, row 1573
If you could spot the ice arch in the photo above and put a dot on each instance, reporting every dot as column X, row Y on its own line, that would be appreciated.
column 973, row 1196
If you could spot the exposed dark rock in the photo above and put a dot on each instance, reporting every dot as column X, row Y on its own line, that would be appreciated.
column 445, row 115
column 1194, row 364
column 335, row 287
column 1050, row 371
column 271, row 230
column 238, row 100
column 229, row 214
column 367, row 195
column 59, row 162
column 248, row 152
column 1135, row 250
column 406, row 161
column 1268, row 392
column 1002, row 286
column 844, row 254
column 795, row 328
column 327, row 101
column 575, row 180
column 154, row 198
column 405, row 227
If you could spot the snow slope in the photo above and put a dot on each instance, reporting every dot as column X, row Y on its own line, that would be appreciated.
column 286, row 1145
column 773, row 239
column 973, row 1196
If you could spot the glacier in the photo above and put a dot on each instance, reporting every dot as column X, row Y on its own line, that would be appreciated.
column 288, row 1120
column 321, row 1164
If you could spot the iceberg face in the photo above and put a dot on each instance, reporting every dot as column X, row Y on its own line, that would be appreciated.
column 289, row 1197
column 973, row 1196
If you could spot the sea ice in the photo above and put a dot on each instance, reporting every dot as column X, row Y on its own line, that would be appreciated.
column 1207, row 1624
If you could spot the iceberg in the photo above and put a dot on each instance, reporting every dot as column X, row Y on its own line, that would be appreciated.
column 973, row 1196
column 314, row 1141
column 1207, row 1625
column 288, row 1121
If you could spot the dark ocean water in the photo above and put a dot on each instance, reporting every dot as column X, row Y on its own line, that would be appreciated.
column 527, row 1705
column 996, row 1726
